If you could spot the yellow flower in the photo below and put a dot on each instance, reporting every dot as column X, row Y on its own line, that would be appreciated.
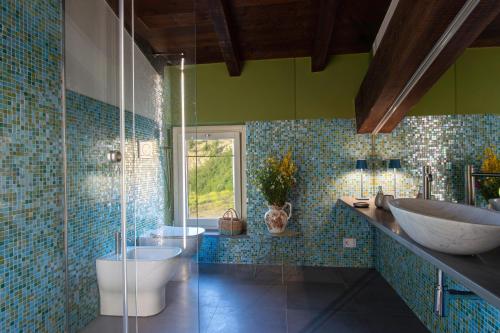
column 272, row 162
column 490, row 187
column 491, row 163
column 287, row 168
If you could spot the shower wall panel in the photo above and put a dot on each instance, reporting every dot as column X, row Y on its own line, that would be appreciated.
column 94, row 196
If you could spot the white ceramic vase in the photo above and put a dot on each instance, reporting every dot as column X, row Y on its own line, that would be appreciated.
column 277, row 218
column 495, row 204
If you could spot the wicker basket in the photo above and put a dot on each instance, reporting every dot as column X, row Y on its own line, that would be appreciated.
column 230, row 224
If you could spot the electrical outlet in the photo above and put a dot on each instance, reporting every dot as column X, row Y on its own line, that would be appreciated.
column 349, row 242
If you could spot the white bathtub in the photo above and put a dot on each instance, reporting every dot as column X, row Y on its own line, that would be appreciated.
column 148, row 269
column 174, row 236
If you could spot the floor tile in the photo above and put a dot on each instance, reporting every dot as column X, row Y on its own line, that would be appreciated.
column 343, row 323
column 395, row 324
column 299, row 321
column 315, row 275
column 313, row 296
column 376, row 297
column 262, row 320
column 230, row 298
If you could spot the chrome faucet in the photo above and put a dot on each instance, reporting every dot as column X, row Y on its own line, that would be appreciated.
column 427, row 182
column 442, row 294
column 470, row 180
column 118, row 242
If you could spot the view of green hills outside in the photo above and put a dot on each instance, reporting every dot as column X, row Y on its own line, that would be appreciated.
column 210, row 177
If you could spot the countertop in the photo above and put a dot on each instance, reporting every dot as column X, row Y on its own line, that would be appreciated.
column 479, row 273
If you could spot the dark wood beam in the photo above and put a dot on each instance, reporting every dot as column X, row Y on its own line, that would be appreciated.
column 140, row 30
column 412, row 32
column 221, row 19
column 324, row 32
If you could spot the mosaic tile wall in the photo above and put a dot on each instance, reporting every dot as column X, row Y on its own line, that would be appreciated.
column 31, row 229
column 318, row 245
column 93, row 193
column 325, row 152
column 446, row 143
column 320, row 181
column 414, row 279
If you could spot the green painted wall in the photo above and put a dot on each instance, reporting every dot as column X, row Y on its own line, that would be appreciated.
column 478, row 81
column 470, row 86
column 264, row 91
column 440, row 99
column 287, row 89
column 331, row 92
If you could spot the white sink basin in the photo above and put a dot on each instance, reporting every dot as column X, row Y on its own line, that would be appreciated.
column 448, row 227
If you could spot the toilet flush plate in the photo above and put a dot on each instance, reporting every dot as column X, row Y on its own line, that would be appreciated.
column 145, row 149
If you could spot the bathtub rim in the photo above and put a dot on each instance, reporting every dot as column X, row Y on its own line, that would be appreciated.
column 151, row 233
column 114, row 257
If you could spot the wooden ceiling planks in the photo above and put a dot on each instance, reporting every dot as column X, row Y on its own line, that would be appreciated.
column 266, row 29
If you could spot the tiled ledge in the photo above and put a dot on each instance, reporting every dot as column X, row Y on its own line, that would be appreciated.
column 216, row 233
column 481, row 274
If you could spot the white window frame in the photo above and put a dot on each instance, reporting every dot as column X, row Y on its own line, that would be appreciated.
column 235, row 132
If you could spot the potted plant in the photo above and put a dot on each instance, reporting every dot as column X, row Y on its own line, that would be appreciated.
column 275, row 180
column 490, row 186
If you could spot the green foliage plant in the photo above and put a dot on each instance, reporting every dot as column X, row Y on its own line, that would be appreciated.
column 276, row 178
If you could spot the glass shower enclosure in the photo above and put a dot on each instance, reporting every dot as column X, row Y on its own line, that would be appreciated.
column 131, row 261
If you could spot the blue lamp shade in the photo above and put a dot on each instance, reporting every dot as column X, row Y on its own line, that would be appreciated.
column 395, row 164
column 361, row 165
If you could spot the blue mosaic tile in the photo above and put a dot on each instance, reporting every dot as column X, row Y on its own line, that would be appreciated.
column 325, row 152
column 94, row 195
column 31, row 229
column 322, row 226
column 446, row 143
column 414, row 280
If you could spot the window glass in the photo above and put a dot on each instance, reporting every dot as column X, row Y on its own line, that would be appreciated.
column 211, row 177
column 214, row 175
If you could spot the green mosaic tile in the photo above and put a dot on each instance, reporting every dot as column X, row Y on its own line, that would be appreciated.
column 31, row 229
column 414, row 280
column 94, row 197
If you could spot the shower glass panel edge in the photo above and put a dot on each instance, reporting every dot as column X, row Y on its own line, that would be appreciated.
column 123, row 191
column 160, row 95
column 95, row 197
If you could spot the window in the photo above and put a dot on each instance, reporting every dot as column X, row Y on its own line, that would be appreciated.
column 214, row 174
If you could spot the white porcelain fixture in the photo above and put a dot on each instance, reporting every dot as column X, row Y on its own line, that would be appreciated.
column 448, row 227
column 174, row 236
column 495, row 203
column 148, row 269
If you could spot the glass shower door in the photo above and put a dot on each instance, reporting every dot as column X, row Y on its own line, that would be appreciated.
column 163, row 247
column 92, row 104
column 131, row 258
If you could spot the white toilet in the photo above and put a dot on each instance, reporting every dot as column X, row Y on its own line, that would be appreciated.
column 148, row 269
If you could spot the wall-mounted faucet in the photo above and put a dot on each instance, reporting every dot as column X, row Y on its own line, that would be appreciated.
column 442, row 294
column 427, row 173
column 118, row 242
column 470, row 181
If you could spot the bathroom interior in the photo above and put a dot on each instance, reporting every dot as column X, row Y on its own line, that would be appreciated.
column 234, row 166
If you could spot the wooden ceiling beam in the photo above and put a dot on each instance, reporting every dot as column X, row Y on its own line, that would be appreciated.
column 220, row 14
column 411, row 34
column 139, row 33
column 324, row 32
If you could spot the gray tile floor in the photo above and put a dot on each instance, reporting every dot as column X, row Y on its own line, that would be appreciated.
column 230, row 298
